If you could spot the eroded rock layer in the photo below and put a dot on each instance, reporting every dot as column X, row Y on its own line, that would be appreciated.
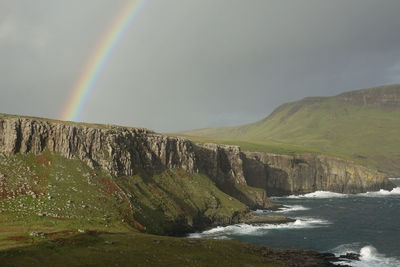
column 122, row 151
column 305, row 173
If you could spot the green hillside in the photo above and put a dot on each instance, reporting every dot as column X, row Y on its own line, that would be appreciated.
column 59, row 212
column 363, row 125
column 53, row 192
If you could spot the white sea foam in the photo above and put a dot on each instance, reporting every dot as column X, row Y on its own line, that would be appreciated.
column 258, row 229
column 284, row 209
column 290, row 208
column 369, row 256
column 382, row 192
column 328, row 194
column 319, row 194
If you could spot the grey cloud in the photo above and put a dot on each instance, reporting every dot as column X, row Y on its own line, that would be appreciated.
column 193, row 64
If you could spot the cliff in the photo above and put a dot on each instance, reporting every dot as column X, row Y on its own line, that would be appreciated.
column 305, row 173
column 123, row 151
column 155, row 183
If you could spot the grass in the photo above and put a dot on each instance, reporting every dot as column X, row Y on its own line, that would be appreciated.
column 51, row 186
column 58, row 211
column 253, row 145
column 176, row 198
column 94, row 248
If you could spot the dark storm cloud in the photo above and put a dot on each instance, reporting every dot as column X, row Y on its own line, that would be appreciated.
column 190, row 64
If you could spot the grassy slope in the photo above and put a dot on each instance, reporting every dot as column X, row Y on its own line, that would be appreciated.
column 55, row 197
column 176, row 196
column 366, row 134
column 60, row 193
column 58, row 197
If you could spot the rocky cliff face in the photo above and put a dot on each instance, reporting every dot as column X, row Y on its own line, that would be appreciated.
column 283, row 174
column 386, row 97
column 123, row 151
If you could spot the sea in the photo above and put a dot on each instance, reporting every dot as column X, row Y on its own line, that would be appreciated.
column 367, row 223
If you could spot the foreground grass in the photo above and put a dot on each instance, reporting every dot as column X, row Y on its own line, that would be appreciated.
column 69, row 248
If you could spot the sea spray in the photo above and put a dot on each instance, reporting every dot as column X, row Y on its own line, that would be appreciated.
column 258, row 229
column 328, row 194
column 369, row 256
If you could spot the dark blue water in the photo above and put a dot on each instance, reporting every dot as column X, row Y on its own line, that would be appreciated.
column 328, row 222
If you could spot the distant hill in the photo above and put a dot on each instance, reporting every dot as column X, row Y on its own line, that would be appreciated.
column 363, row 125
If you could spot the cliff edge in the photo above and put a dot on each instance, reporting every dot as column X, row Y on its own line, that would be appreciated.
column 140, row 162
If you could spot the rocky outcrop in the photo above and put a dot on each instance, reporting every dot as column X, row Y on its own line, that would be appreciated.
column 123, row 151
column 304, row 173
column 385, row 97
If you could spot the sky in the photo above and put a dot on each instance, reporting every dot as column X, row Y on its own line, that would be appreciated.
column 194, row 64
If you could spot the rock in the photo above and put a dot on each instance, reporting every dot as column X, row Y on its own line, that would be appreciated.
column 121, row 151
column 255, row 219
column 305, row 173
column 350, row 256
column 37, row 234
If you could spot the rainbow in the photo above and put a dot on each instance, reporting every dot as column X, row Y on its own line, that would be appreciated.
column 96, row 63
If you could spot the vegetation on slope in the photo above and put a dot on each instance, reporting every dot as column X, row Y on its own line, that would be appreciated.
column 175, row 202
column 54, row 191
column 46, row 202
column 58, row 211
column 363, row 125
column 93, row 248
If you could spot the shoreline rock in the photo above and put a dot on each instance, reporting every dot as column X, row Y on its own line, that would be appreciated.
column 256, row 219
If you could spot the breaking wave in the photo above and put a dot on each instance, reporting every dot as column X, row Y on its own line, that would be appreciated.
column 328, row 194
column 318, row 194
column 369, row 256
column 284, row 209
column 382, row 192
column 258, row 229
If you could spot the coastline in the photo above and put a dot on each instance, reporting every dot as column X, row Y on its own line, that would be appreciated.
column 291, row 257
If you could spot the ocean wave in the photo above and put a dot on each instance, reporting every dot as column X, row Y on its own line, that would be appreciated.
column 258, row 229
column 369, row 256
column 328, row 194
column 382, row 192
column 284, row 209
column 319, row 194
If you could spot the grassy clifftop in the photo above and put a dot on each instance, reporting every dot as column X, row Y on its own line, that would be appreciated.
column 363, row 125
